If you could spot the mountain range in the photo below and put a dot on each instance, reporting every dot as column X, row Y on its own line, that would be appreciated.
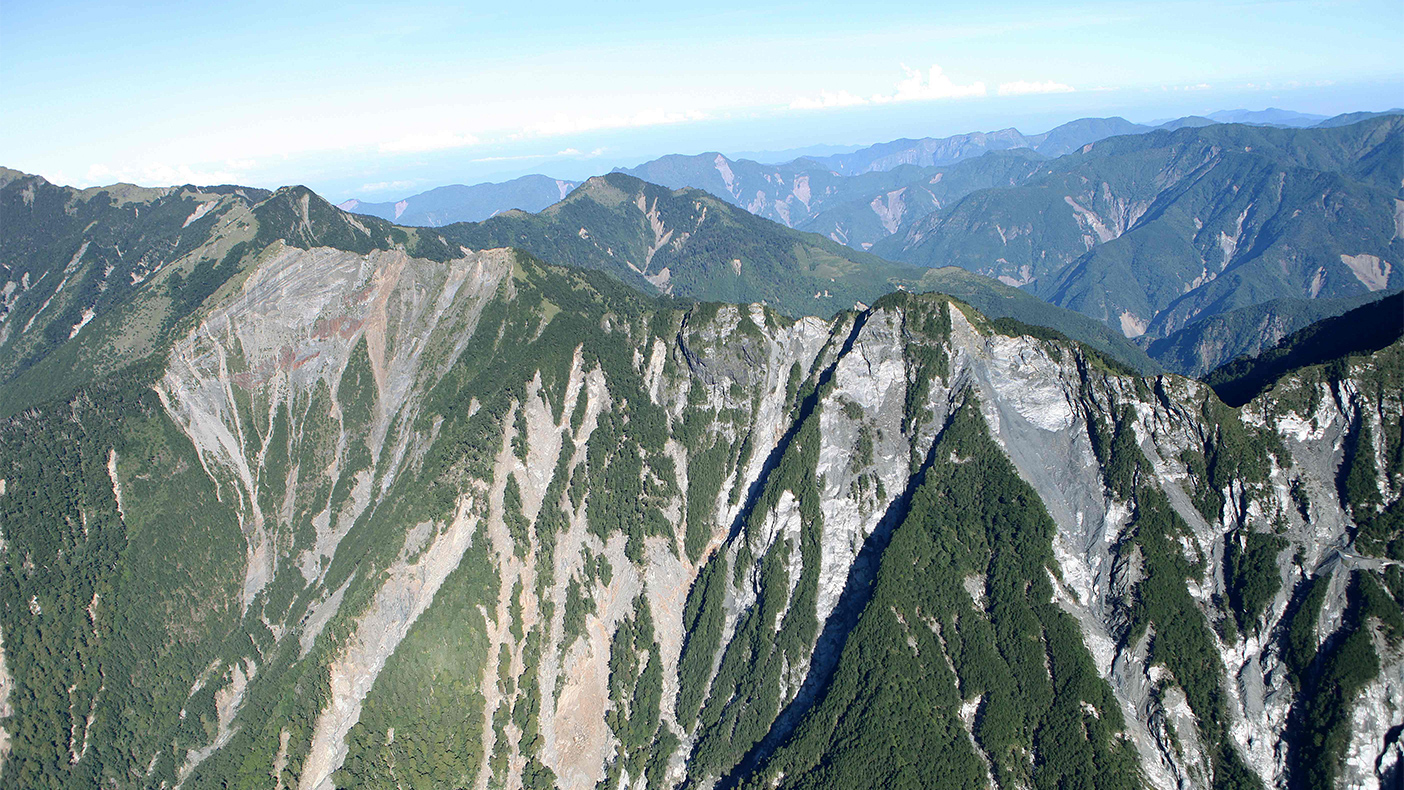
column 688, row 244
column 1204, row 346
column 294, row 497
column 1152, row 232
column 1148, row 232
column 762, row 188
column 74, row 258
column 459, row 203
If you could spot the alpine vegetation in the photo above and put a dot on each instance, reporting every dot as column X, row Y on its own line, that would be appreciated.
column 297, row 498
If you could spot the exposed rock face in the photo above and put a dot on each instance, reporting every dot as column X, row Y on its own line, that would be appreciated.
column 503, row 525
column 294, row 325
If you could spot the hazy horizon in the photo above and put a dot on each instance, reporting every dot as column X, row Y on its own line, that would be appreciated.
column 380, row 103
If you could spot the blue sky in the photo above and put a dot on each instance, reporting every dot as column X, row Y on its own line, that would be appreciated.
column 383, row 101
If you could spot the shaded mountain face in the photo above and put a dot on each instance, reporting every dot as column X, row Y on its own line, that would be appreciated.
column 1152, row 232
column 1359, row 332
column 386, row 511
column 1203, row 346
column 459, row 203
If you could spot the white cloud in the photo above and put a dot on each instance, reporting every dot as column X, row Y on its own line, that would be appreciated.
column 428, row 141
column 1022, row 87
column 382, row 186
column 571, row 152
column 166, row 175
column 520, row 158
column 919, row 87
column 826, row 100
column 563, row 124
column 927, row 86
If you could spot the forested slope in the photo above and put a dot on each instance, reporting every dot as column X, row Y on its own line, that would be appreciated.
column 387, row 511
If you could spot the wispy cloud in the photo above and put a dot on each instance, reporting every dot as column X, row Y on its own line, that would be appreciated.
column 429, row 141
column 826, row 100
column 160, row 174
column 382, row 186
column 1021, row 87
column 564, row 124
column 518, row 158
column 931, row 85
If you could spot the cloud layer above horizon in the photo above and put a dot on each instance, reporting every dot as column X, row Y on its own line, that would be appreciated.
column 932, row 86
column 268, row 92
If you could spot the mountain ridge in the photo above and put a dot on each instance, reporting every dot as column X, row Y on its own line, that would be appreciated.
column 551, row 532
column 446, row 205
column 1355, row 333
column 1148, row 232
column 123, row 330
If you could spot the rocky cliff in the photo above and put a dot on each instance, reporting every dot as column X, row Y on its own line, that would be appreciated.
column 377, row 520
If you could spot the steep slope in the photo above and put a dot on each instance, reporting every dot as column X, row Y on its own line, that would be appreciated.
column 71, row 257
column 1152, row 232
column 873, row 215
column 855, row 197
column 689, row 244
column 1358, row 332
column 142, row 263
column 999, row 301
column 393, row 512
column 459, row 203
column 1197, row 349
column 861, row 206
column 776, row 265
column 791, row 194
column 389, row 512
